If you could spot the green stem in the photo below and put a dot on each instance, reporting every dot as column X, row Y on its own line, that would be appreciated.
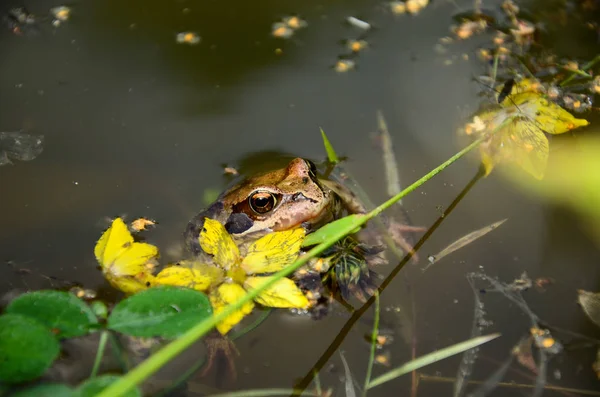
column 168, row 352
column 99, row 353
column 373, row 345
column 581, row 71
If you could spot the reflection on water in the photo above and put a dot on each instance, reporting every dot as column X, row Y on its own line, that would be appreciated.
column 137, row 124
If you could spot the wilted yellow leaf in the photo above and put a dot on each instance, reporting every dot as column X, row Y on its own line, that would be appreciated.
column 273, row 252
column 201, row 277
column 222, row 297
column 215, row 240
column 124, row 262
column 284, row 293
column 590, row 302
column 518, row 131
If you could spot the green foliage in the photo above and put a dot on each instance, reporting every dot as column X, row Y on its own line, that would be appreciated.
column 325, row 233
column 100, row 310
column 331, row 155
column 164, row 311
column 27, row 348
column 46, row 390
column 60, row 311
column 94, row 386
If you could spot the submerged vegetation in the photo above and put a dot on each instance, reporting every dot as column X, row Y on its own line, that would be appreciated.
column 169, row 307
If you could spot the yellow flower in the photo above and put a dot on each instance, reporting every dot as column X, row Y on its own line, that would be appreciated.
column 129, row 266
column 266, row 255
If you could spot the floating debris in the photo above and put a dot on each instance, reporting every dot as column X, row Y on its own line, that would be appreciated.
column 281, row 30
column 344, row 65
column 577, row 102
column 383, row 359
column 358, row 23
column 61, row 13
column 230, row 171
column 463, row 241
column 595, row 86
column 142, row 224
column 415, row 6
column 294, row 22
column 398, row 7
column 19, row 20
column 190, row 38
column 19, row 146
column 83, row 293
column 469, row 28
column 356, row 45
column 590, row 303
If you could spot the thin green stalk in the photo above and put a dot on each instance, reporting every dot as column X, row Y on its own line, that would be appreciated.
column 318, row 384
column 373, row 345
column 579, row 72
column 99, row 353
column 431, row 358
column 495, row 68
column 168, row 352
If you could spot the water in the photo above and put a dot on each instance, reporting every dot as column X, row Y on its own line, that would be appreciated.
column 136, row 124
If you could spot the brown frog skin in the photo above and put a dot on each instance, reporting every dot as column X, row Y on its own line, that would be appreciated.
column 273, row 201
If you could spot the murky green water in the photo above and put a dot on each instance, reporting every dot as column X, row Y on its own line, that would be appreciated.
column 136, row 124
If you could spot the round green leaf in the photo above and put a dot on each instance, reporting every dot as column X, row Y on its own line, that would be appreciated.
column 164, row 311
column 27, row 348
column 64, row 313
column 47, row 390
column 92, row 387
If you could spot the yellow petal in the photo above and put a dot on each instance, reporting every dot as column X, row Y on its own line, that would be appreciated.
column 223, row 296
column 284, row 293
column 201, row 277
column 114, row 240
column 273, row 252
column 130, row 284
column 215, row 240
column 125, row 264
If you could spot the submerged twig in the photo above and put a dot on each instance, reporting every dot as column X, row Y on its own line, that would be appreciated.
column 389, row 158
column 512, row 385
column 374, row 336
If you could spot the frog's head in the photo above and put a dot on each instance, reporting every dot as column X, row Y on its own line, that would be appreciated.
column 273, row 201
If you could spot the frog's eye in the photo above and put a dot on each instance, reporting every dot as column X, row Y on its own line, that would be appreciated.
column 312, row 168
column 262, row 202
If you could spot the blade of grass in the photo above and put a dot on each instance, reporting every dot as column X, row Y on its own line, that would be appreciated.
column 357, row 314
column 258, row 393
column 373, row 345
column 348, row 378
column 99, row 353
column 430, row 359
column 331, row 155
column 168, row 352
column 575, row 73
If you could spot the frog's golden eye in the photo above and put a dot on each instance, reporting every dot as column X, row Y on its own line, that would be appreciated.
column 262, row 202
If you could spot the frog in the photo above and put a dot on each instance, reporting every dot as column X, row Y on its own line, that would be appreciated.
column 284, row 198
column 296, row 195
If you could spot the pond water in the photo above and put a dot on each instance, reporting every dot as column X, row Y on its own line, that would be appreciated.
column 137, row 124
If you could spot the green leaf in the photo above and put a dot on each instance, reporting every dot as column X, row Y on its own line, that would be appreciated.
column 58, row 310
column 430, row 359
column 27, row 348
column 99, row 308
column 331, row 155
column 47, row 390
column 332, row 228
column 164, row 311
column 94, row 386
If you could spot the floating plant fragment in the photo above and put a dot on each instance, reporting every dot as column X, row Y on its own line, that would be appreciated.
column 344, row 65
column 397, row 7
column 189, row 38
column 415, row 6
column 590, row 303
column 19, row 146
column 281, row 30
column 518, row 129
column 294, row 22
column 141, row 224
column 358, row 23
column 356, row 45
